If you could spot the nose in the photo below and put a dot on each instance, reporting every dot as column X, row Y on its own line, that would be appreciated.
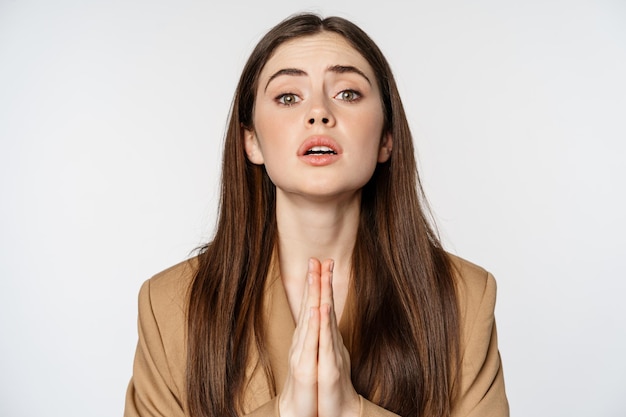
column 324, row 120
column 320, row 113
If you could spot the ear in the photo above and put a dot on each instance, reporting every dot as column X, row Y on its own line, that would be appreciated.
column 253, row 150
column 386, row 145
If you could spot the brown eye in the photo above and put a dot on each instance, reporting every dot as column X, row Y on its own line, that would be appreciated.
column 348, row 95
column 288, row 99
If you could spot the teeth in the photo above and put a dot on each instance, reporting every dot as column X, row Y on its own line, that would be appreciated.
column 320, row 150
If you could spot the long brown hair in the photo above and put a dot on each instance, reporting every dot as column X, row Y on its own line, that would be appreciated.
column 405, row 338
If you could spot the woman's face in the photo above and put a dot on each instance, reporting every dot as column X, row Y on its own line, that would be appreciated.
column 318, row 118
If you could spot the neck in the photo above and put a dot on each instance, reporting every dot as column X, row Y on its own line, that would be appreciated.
column 320, row 229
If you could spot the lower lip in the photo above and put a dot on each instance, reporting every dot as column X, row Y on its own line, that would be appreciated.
column 319, row 160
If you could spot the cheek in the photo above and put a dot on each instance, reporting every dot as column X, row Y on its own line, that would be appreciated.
column 371, row 114
column 273, row 127
column 369, row 126
column 266, row 133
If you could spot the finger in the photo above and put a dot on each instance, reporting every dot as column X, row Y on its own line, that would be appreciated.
column 336, row 394
column 301, row 324
column 330, row 337
column 311, row 299
column 332, row 348
column 307, row 365
column 327, row 296
column 314, row 278
column 335, row 343
column 326, row 343
column 337, row 339
column 303, row 309
column 331, row 340
column 299, row 394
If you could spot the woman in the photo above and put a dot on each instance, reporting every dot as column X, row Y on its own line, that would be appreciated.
column 324, row 292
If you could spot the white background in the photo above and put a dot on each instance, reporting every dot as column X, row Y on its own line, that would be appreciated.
column 111, row 123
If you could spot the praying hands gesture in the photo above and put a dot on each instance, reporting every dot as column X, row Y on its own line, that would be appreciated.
column 318, row 382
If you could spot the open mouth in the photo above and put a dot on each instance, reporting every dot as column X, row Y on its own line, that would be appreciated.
column 320, row 150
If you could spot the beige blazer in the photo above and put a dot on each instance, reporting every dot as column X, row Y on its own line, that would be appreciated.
column 157, row 387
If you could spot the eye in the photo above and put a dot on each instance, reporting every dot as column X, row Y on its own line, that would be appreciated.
column 348, row 95
column 288, row 99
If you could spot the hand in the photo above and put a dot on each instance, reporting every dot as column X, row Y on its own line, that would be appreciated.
column 336, row 396
column 299, row 395
column 318, row 381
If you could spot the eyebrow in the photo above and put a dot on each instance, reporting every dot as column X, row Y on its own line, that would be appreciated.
column 285, row 71
column 340, row 69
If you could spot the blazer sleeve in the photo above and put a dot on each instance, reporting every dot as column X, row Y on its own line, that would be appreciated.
column 152, row 390
column 481, row 390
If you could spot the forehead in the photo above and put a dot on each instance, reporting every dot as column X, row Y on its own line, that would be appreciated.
column 316, row 51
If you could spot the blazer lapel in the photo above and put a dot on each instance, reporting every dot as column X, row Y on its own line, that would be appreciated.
column 280, row 325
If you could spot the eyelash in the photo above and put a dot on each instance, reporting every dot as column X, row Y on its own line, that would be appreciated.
column 357, row 95
column 280, row 99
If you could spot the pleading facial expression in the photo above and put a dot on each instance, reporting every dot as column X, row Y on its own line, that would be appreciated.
column 318, row 118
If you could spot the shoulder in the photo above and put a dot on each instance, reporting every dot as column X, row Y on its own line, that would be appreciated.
column 480, row 391
column 476, row 295
column 476, row 287
column 163, row 301
column 468, row 273
column 159, row 368
column 169, row 288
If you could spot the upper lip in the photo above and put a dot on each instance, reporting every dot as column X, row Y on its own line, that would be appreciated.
column 319, row 141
